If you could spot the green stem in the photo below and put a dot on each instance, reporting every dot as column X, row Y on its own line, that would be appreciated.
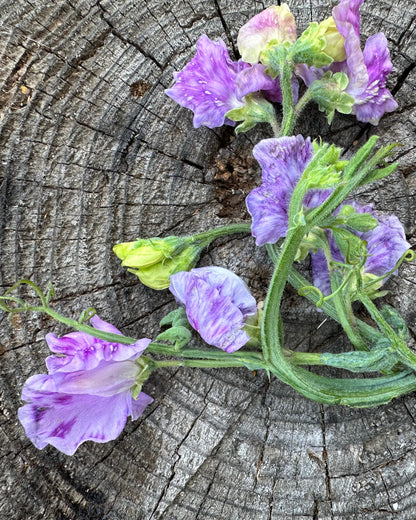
column 341, row 300
column 303, row 101
column 214, row 233
column 405, row 354
column 206, row 363
column 289, row 116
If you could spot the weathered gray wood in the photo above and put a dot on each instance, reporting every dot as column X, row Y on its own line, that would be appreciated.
column 93, row 153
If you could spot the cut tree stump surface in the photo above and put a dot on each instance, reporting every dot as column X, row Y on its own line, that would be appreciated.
column 93, row 153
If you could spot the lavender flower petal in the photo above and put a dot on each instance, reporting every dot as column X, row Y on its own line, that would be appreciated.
column 66, row 420
column 283, row 161
column 207, row 84
column 85, row 352
column 376, row 99
column 216, row 302
column 86, row 395
column 368, row 70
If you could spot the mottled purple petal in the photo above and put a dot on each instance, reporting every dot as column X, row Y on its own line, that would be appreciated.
column 367, row 71
column 274, row 23
column 268, row 208
column 254, row 79
column 385, row 244
column 207, row 84
column 283, row 160
column 85, row 352
column 376, row 99
column 216, row 302
column 347, row 16
column 65, row 420
column 287, row 156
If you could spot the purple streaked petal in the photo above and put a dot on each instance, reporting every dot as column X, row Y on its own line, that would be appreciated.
column 347, row 16
column 207, row 84
column 65, row 420
column 216, row 302
column 283, row 160
column 376, row 99
column 367, row 70
column 385, row 244
column 269, row 212
column 253, row 79
column 85, row 352
column 107, row 379
column 283, row 156
column 217, row 320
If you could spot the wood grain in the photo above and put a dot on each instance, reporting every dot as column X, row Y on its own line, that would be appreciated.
column 93, row 153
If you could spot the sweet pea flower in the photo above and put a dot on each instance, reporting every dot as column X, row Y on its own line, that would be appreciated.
column 211, row 84
column 86, row 394
column 276, row 23
column 386, row 244
column 217, row 302
column 283, row 160
column 367, row 70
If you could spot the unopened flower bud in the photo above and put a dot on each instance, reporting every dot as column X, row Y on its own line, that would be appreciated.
column 335, row 42
column 154, row 260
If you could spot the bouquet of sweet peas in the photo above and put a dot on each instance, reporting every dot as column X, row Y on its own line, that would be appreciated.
column 302, row 207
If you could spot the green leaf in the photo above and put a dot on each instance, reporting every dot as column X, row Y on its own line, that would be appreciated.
column 381, row 358
column 348, row 216
column 179, row 336
column 175, row 317
column 396, row 321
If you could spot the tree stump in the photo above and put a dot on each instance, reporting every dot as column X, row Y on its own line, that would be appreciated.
column 94, row 153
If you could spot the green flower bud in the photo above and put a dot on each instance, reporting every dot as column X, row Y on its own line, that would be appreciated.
column 335, row 43
column 154, row 260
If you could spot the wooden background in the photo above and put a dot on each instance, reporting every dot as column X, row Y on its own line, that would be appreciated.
column 93, row 153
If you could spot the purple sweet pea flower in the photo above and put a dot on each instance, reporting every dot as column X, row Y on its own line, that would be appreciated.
column 86, row 394
column 207, row 85
column 386, row 243
column 283, row 161
column 217, row 302
column 211, row 84
column 367, row 70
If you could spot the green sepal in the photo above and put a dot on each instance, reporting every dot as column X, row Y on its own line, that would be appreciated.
column 309, row 47
column 179, row 333
column 274, row 56
column 379, row 173
column 144, row 373
column 179, row 336
column 255, row 110
column 174, row 318
column 329, row 93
